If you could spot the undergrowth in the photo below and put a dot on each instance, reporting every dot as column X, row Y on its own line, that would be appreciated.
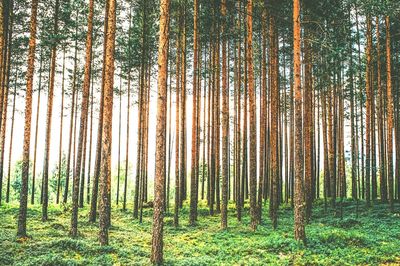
column 370, row 238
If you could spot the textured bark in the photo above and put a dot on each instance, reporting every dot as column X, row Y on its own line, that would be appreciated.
column 225, row 124
column 90, row 141
column 96, row 173
column 128, row 111
column 299, row 204
column 362, row 190
column 253, row 118
column 308, row 122
column 380, row 114
column 158, row 223
column 11, row 140
column 119, row 139
column 193, row 175
column 274, row 160
column 182, row 121
column 6, row 89
column 368, row 106
column 83, row 123
column 238, row 126
column 36, row 130
column 105, row 176
column 390, row 114
column 61, row 131
column 177, row 135
column 71, row 124
column 27, row 127
column 354, row 138
column 45, row 187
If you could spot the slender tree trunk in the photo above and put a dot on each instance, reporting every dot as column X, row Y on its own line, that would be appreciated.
column 390, row 113
column 368, row 106
column 105, row 176
column 61, row 131
column 158, row 224
column 45, row 177
column 71, row 125
column 225, row 124
column 299, row 204
column 6, row 89
column 83, row 122
column 96, row 174
column 274, row 197
column 11, row 139
column 308, row 123
column 193, row 181
column 21, row 233
column 36, row 131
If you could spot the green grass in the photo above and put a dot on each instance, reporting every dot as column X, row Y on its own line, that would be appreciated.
column 371, row 239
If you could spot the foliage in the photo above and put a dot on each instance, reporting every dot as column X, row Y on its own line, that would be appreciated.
column 331, row 240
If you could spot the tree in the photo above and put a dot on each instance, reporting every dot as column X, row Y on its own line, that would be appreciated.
column 193, row 175
column 27, row 125
column 225, row 124
column 49, row 118
column 83, row 121
column 390, row 113
column 105, row 176
column 299, row 232
column 253, row 118
column 159, row 197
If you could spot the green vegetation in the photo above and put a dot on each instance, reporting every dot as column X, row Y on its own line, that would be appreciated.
column 373, row 238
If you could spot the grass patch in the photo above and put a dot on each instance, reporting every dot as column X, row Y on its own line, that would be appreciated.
column 370, row 238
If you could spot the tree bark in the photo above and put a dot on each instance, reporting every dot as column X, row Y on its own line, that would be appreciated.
column 158, row 224
column 21, row 233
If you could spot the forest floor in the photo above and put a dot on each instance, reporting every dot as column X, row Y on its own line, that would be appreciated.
column 371, row 239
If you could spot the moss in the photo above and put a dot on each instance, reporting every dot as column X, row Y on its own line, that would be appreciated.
column 371, row 238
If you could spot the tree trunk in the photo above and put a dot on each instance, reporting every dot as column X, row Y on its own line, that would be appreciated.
column 105, row 176
column 390, row 113
column 299, row 204
column 45, row 177
column 21, row 233
column 83, row 122
column 157, row 238
column 193, row 181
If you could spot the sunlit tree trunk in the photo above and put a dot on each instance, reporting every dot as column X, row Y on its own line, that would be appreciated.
column 105, row 176
column 21, row 232
column 157, row 238
column 390, row 113
column 45, row 177
column 83, row 123
column 299, row 204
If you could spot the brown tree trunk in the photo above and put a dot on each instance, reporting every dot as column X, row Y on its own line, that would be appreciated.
column 11, row 139
column 36, row 131
column 308, row 122
column 61, row 131
column 72, row 123
column 225, row 124
column 105, row 176
column 193, row 181
column 253, row 118
column 299, row 204
column 96, row 176
column 6, row 89
column 83, row 123
column 274, row 159
column 158, row 224
column 368, row 106
column 390, row 113
column 21, row 233
column 50, row 98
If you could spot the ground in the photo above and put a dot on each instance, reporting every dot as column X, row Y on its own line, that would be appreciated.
column 372, row 238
